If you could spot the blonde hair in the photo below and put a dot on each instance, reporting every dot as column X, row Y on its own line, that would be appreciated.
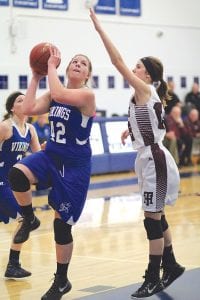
column 90, row 65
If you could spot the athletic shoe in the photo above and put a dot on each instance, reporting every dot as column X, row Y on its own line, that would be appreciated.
column 149, row 287
column 27, row 226
column 14, row 271
column 171, row 273
column 58, row 289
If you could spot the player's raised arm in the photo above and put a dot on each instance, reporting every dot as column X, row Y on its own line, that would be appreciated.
column 116, row 57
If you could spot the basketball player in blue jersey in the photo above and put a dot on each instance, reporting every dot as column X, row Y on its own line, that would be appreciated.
column 16, row 136
column 158, row 176
column 65, row 164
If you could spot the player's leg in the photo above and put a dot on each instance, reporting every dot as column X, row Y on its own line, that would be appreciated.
column 10, row 209
column 171, row 269
column 147, row 170
column 21, row 178
column 64, row 247
column 69, row 209
column 152, row 283
column 14, row 269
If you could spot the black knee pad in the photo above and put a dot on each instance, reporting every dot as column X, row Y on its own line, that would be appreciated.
column 164, row 223
column 62, row 232
column 153, row 229
column 18, row 180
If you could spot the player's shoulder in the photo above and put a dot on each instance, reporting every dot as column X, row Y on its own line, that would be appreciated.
column 6, row 124
column 5, row 129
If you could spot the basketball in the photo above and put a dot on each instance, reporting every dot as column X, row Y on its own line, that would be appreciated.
column 39, row 56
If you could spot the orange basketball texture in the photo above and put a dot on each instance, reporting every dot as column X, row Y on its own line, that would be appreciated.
column 39, row 56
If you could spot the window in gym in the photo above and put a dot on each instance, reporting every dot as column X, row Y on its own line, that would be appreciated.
column 170, row 78
column 62, row 79
column 126, row 84
column 43, row 83
column 23, row 82
column 111, row 82
column 3, row 82
column 183, row 82
column 95, row 82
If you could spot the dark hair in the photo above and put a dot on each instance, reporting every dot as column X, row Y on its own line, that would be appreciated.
column 155, row 69
column 10, row 102
column 89, row 61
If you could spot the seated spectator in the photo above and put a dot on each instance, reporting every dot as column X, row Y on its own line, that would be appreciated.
column 176, row 130
column 192, row 122
column 174, row 98
column 192, row 99
column 170, row 142
column 42, row 127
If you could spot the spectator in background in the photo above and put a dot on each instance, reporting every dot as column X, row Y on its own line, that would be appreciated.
column 42, row 127
column 174, row 98
column 170, row 142
column 192, row 99
column 175, row 129
column 192, row 122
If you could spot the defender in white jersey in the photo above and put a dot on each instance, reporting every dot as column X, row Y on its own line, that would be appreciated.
column 16, row 138
column 64, row 164
column 157, row 172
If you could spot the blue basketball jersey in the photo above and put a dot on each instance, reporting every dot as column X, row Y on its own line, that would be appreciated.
column 69, row 134
column 65, row 164
column 13, row 150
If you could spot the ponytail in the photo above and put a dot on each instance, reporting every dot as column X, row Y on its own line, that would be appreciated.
column 154, row 67
column 6, row 116
column 162, row 91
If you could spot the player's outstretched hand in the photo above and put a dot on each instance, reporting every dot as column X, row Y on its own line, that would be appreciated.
column 95, row 21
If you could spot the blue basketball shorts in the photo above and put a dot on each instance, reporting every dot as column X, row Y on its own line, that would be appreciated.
column 9, row 207
column 68, row 183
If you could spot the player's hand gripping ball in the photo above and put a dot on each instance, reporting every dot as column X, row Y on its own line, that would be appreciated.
column 39, row 57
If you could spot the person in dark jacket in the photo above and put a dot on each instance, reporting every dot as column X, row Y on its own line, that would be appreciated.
column 174, row 124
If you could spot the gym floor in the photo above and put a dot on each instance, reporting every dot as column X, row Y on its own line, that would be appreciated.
column 110, row 247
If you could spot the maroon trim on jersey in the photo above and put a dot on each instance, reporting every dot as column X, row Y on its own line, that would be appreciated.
column 129, row 127
column 144, row 124
column 161, row 175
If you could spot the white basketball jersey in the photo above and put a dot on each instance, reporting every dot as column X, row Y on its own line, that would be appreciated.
column 146, row 124
column 158, row 175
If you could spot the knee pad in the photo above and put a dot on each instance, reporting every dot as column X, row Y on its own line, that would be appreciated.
column 62, row 232
column 164, row 223
column 153, row 229
column 18, row 180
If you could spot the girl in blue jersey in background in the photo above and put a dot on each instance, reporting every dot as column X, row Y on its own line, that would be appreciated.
column 65, row 164
column 16, row 136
